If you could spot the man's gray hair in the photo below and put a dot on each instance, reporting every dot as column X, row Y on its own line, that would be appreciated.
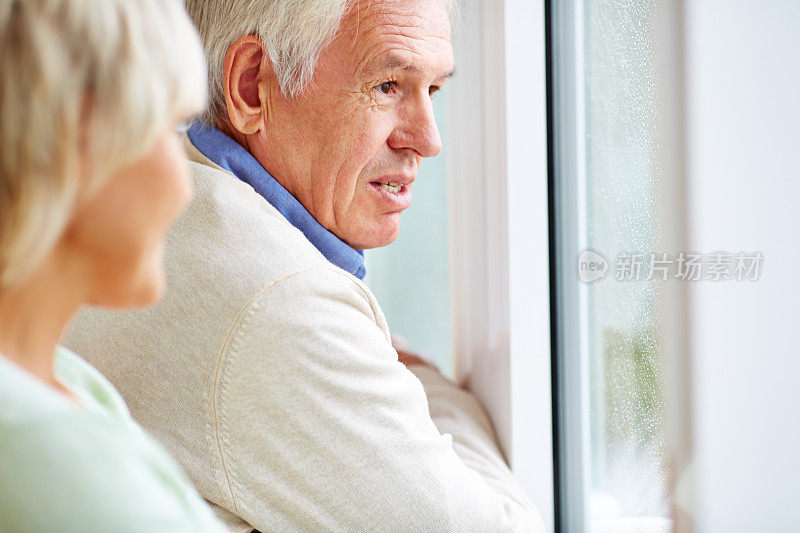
column 294, row 32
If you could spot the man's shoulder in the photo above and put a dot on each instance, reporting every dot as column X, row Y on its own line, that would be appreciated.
column 234, row 211
column 232, row 232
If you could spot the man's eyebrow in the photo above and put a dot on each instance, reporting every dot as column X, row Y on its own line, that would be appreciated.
column 393, row 62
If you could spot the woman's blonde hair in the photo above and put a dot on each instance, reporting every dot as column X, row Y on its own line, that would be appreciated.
column 86, row 87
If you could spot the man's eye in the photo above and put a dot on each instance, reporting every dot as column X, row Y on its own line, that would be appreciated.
column 386, row 87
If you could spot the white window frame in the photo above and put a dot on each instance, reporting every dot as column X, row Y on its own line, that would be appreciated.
column 571, row 309
column 500, row 271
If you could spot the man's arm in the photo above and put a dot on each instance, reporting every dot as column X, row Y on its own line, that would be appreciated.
column 321, row 428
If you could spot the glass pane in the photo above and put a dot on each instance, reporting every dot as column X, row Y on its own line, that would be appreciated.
column 411, row 276
column 627, row 457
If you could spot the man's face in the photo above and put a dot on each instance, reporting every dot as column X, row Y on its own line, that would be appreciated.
column 350, row 147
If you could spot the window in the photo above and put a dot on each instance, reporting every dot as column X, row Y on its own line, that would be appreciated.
column 635, row 87
column 417, row 263
column 609, row 227
column 493, row 181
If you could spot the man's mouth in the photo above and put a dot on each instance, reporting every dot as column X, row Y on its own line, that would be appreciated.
column 393, row 194
column 392, row 186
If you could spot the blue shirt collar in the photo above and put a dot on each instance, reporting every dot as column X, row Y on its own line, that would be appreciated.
column 229, row 155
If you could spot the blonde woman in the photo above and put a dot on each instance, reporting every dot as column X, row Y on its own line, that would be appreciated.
column 91, row 175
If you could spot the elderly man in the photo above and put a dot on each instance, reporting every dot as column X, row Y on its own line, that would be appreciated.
column 268, row 370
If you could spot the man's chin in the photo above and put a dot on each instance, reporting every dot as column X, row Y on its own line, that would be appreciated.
column 381, row 234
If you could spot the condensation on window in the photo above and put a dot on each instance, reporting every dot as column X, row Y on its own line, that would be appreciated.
column 628, row 489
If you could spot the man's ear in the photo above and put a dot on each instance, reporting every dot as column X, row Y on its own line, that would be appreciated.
column 246, row 78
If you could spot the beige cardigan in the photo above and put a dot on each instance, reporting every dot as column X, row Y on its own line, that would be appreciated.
column 269, row 374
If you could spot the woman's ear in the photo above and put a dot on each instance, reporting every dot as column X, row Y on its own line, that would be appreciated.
column 246, row 77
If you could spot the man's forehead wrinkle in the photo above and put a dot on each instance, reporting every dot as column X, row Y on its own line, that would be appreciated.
column 401, row 23
column 373, row 28
column 396, row 50
column 392, row 61
column 382, row 19
column 389, row 61
column 378, row 15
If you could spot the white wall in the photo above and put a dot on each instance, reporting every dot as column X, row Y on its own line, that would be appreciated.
column 743, row 191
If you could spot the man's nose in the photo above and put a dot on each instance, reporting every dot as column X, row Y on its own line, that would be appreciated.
column 417, row 130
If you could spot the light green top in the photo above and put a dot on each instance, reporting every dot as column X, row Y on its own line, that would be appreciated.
column 84, row 468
